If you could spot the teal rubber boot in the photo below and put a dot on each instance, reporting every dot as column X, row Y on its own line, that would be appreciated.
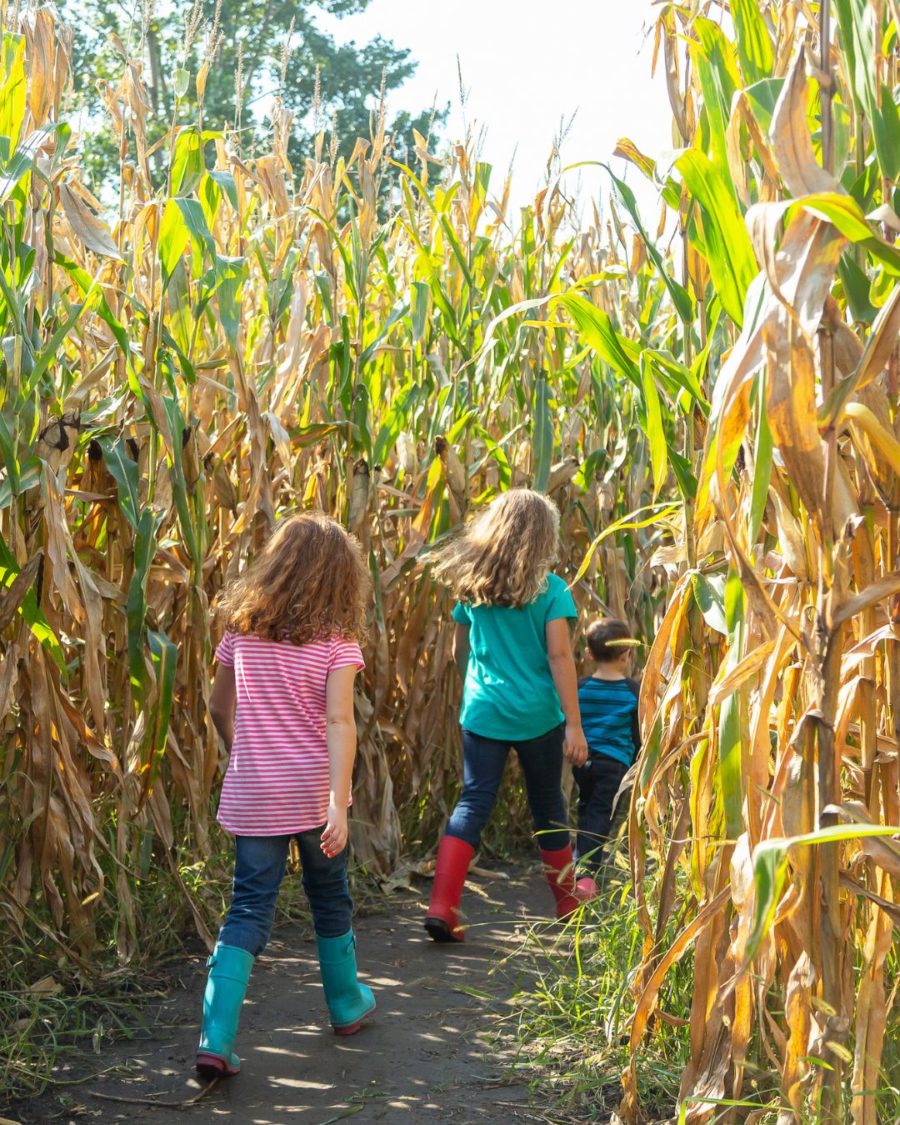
column 349, row 1002
column 229, row 971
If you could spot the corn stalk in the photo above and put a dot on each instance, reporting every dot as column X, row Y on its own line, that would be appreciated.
column 235, row 340
column 764, row 824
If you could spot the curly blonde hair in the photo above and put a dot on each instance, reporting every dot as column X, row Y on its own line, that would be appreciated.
column 309, row 582
column 504, row 555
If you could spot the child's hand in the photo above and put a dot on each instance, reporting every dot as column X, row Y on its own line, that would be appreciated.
column 334, row 838
column 575, row 748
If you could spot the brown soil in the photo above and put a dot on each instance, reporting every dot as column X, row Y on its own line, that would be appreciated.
column 432, row 1051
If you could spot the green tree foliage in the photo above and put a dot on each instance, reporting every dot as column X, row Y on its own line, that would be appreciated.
column 257, row 50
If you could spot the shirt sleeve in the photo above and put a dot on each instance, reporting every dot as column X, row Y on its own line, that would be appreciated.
column 560, row 603
column 225, row 651
column 461, row 614
column 346, row 654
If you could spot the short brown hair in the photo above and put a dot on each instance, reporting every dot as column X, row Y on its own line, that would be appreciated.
column 605, row 638
column 309, row 582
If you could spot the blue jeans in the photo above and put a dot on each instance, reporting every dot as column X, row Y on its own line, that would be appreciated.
column 483, row 762
column 598, row 782
column 258, row 870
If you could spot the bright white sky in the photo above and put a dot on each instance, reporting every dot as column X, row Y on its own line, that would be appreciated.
column 528, row 65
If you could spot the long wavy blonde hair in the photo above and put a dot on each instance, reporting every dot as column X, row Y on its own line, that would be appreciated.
column 504, row 555
column 309, row 582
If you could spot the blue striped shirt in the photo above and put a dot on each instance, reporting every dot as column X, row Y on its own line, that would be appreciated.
column 609, row 715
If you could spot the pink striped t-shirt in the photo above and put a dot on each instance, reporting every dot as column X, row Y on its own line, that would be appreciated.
column 277, row 779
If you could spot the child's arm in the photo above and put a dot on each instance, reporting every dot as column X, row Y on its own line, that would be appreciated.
column 562, row 668
column 222, row 701
column 461, row 648
column 341, row 736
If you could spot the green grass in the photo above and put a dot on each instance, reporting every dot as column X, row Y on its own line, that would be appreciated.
column 53, row 1008
column 572, row 1021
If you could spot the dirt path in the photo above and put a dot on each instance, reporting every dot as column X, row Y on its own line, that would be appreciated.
column 426, row 1055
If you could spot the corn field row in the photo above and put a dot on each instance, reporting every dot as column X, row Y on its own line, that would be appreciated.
column 238, row 344
column 711, row 399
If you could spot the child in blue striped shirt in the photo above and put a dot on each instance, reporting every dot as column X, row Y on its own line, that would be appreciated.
column 608, row 700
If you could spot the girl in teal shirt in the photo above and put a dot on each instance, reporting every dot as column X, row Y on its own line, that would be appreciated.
column 513, row 648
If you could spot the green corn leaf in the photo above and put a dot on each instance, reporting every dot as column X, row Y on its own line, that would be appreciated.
column 343, row 354
column 457, row 249
column 181, row 312
column 13, row 89
column 225, row 181
column 709, row 594
column 717, row 68
column 22, row 161
column 179, row 484
column 29, row 609
column 754, row 44
column 394, row 421
column 498, row 455
column 346, row 257
column 845, row 213
column 173, row 237
column 730, row 714
column 462, row 423
column 9, row 451
column 187, row 161
column 419, row 304
column 305, row 436
column 28, row 476
column 209, row 194
column 136, row 603
column 727, row 249
column 94, row 300
column 763, row 97
column 449, row 320
column 360, row 418
column 51, row 350
column 770, row 859
column 199, row 236
column 660, row 513
column 596, row 329
column 183, row 226
column 683, row 471
column 857, row 290
column 683, row 377
column 396, row 316
column 230, row 275
column 762, row 463
column 164, row 658
column 859, row 34
column 680, row 296
column 653, row 426
column 124, row 472
column 542, row 435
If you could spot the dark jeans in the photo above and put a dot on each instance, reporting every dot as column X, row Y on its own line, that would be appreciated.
column 598, row 781
column 483, row 762
column 258, row 870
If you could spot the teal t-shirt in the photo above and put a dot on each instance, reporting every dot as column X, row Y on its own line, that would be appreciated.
column 509, row 691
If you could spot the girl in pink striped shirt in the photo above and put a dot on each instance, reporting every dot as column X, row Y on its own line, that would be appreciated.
column 282, row 703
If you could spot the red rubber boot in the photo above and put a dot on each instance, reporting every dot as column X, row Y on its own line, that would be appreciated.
column 453, row 859
column 559, row 869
